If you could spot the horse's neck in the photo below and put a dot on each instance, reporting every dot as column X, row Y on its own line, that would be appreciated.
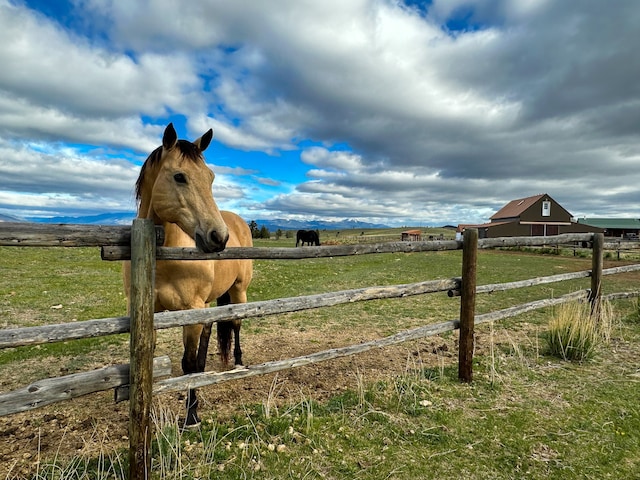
column 174, row 236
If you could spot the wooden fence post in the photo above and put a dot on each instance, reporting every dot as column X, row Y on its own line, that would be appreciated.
column 467, row 304
column 597, row 255
column 143, row 251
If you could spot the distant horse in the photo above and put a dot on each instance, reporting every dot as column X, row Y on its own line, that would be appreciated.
column 174, row 189
column 308, row 236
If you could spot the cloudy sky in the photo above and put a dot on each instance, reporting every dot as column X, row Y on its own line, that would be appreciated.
column 404, row 113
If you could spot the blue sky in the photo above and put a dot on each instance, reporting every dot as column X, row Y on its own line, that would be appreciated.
column 403, row 113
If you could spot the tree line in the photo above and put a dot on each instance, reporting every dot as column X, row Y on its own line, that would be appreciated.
column 263, row 232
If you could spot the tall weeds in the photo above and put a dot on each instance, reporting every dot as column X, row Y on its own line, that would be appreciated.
column 575, row 334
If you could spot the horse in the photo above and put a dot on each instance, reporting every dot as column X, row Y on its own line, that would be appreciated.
column 175, row 190
column 308, row 236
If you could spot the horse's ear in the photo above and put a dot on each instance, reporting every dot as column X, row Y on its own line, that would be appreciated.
column 203, row 142
column 170, row 137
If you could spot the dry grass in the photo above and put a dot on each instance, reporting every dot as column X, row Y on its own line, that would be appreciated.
column 575, row 333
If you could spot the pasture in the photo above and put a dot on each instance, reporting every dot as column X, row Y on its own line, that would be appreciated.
column 393, row 413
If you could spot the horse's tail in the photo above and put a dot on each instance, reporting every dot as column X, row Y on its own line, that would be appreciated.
column 224, row 330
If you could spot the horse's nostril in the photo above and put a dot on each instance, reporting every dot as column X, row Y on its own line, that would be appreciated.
column 210, row 243
column 218, row 239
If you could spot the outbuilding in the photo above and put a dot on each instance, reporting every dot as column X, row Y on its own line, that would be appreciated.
column 411, row 236
column 623, row 228
column 539, row 215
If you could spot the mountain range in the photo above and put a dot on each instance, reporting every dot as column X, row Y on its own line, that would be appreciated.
column 347, row 224
column 125, row 218
column 9, row 218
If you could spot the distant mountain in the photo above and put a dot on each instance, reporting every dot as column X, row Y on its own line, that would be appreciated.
column 125, row 218
column 284, row 224
column 10, row 218
column 118, row 218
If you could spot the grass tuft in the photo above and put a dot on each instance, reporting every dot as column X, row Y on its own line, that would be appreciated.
column 575, row 334
column 635, row 315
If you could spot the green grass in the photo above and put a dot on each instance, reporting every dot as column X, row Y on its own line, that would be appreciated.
column 43, row 286
column 526, row 415
column 52, row 285
column 549, row 420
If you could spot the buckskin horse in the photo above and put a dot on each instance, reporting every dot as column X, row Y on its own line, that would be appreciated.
column 308, row 236
column 175, row 190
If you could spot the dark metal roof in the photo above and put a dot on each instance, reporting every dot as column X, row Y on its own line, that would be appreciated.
column 515, row 207
column 621, row 223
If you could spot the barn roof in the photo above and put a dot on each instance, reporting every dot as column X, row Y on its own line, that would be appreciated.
column 463, row 226
column 515, row 207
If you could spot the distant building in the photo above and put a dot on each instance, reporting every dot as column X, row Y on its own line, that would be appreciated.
column 628, row 228
column 411, row 236
column 539, row 215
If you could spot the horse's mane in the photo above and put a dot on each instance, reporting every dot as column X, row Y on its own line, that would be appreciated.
column 187, row 150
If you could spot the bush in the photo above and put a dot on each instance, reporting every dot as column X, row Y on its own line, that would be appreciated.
column 575, row 334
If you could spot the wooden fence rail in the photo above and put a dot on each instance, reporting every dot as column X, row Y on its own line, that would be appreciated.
column 118, row 253
column 196, row 380
column 137, row 243
column 48, row 391
column 20, row 234
column 18, row 337
column 59, row 389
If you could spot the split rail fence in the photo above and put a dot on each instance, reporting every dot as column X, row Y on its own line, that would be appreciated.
column 141, row 243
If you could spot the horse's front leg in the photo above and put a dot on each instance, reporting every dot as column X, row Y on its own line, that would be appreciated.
column 192, row 363
column 237, row 351
column 224, row 328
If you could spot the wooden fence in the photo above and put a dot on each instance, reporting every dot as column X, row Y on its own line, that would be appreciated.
column 137, row 243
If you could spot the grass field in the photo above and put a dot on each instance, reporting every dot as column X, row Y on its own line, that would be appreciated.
column 394, row 413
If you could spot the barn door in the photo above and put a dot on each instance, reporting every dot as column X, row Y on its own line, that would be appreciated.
column 552, row 229
column 537, row 230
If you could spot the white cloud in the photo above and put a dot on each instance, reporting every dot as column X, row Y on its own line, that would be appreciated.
column 332, row 159
column 63, row 179
column 45, row 64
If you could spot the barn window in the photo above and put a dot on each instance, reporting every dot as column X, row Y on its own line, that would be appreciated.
column 546, row 208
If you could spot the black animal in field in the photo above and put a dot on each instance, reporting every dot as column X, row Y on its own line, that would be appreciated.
column 310, row 237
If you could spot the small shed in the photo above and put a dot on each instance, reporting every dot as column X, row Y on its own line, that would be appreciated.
column 411, row 236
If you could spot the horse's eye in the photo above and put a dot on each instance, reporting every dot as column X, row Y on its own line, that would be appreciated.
column 180, row 178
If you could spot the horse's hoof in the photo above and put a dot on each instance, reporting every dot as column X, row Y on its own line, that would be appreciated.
column 239, row 366
column 191, row 422
column 191, row 427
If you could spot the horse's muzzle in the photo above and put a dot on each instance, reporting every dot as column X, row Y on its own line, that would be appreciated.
column 211, row 243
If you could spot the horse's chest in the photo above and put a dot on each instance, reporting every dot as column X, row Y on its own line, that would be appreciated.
column 184, row 285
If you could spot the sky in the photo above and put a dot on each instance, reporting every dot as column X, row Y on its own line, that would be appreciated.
column 403, row 113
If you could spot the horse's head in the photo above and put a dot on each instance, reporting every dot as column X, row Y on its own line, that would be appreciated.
column 175, row 186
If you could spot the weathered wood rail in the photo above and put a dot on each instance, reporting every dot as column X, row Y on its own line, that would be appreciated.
column 18, row 337
column 59, row 389
column 19, row 234
column 136, row 243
